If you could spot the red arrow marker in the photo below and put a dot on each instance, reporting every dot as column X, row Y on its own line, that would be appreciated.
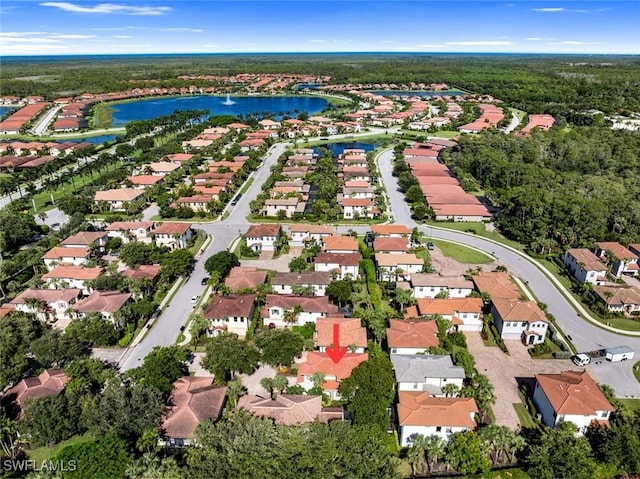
column 336, row 353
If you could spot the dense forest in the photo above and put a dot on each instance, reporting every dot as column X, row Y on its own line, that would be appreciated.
column 559, row 85
column 557, row 189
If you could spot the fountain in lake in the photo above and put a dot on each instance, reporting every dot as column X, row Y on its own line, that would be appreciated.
column 228, row 100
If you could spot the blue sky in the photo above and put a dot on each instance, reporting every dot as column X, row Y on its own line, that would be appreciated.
column 211, row 26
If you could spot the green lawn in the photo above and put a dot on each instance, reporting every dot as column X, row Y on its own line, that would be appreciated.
column 462, row 253
column 246, row 186
column 632, row 404
column 523, row 415
column 200, row 238
column 478, row 229
column 636, row 371
column 41, row 454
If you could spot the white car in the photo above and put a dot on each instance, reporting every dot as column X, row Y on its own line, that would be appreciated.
column 195, row 298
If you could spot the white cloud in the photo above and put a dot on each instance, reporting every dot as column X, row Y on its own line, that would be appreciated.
column 573, row 42
column 107, row 8
column 481, row 43
column 18, row 39
column 533, row 39
column 72, row 36
column 175, row 29
column 318, row 41
column 122, row 36
column 212, row 45
column 549, row 9
column 430, row 45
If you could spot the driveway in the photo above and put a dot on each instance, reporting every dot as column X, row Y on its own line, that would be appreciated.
column 504, row 371
column 280, row 264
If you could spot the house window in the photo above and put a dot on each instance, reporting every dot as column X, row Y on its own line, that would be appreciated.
column 438, row 428
column 604, row 414
column 449, row 430
column 524, row 324
column 415, row 385
column 394, row 350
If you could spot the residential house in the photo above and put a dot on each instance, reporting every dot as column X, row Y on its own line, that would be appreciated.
column 290, row 409
column 300, row 233
column 390, row 231
column 283, row 283
column 421, row 413
column 50, row 382
column 116, row 199
column 354, row 208
column 232, row 313
column 622, row 260
column 146, row 274
column 290, row 206
column 352, row 334
column 160, row 168
column 465, row 313
column 69, row 256
column 291, row 310
column 68, row 276
column 131, row 230
column 142, row 182
column 411, row 337
column 461, row 213
column 47, row 304
column 245, row 278
column 85, row 239
column 497, row 285
column 393, row 267
column 193, row 400
column 338, row 264
column 425, row 372
column 262, row 237
column 391, row 245
column 105, row 303
column 340, row 244
column 517, row 319
column 571, row 396
column 173, row 235
column 585, row 266
column 624, row 300
column 197, row 202
column 430, row 285
column 334, row 373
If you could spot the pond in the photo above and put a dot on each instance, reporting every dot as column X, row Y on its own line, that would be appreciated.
column 278, row 106
column 96, row 140
column 338, row 148
column 4, row 110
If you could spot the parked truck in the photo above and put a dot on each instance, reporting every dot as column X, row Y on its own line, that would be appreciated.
column 618, row 353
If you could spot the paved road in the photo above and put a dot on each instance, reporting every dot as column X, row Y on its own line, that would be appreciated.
column 585, row 336
column 42, row 125
column 166, row 328
column 515, row 121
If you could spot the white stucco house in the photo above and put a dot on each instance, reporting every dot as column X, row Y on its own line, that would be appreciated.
column 584, row 265
column 522, row 320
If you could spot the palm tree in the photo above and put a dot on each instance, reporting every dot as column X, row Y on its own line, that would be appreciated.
column 280, row 383
column 148, row 441
column 267, row 384
column 8, row 440
column 198, row 327
column 404, row 297
column 318, row 379
column 416, row 454
column 450, row 389
column 235, row 390
column 291, row 314
column 434, row 448
column 376, row 321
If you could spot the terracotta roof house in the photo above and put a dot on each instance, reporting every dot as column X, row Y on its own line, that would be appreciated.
column 466, row 313
column 338, row 264
column 69, row 276
column 231, row 313
column 290, row 206
column 619, row 299
column 130, row 230
column 103, row 302
column 623, row 261
column 173, row 235
column 519, row 320
column 279, row 309
column 49, row 383
column 141, row 182
column 290, row 409
column 262, row 237
column 392, row 231
column 411, row 337
column 160, row 168
column 243, row 277
column 571, row 396
column 193, row 400
column 392, row 267
column 352, row 334
column 420, row 413
column 84, row 239
column 62, row 255
column 358, row 208
column 340, row 244
column 391, row 245
column 116, row 198
column 334, row 373
column 584, row 265
column 426, row 372
column 429, row 285
column 283, row 283
column 461, row 212
column 47, row 304
column 497, row 285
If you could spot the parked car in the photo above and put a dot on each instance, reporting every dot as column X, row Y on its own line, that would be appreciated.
column 430, row 246
column 236, row 199
column 195, row 298
column 205, row 280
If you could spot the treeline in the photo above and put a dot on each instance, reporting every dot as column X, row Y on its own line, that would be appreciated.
column 558, row 189
column 559, row 85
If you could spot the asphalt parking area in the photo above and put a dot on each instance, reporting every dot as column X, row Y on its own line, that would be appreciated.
column 504, row 371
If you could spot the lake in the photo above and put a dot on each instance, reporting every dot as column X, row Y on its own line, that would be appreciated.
column 338, row 148
column 95, row 139
column 279, row 106
column 6, row 109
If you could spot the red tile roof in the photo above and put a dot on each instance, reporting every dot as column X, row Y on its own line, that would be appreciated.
column 321, row 362
column 412, row 334
column 351, row 332
column 573, row 393
column 232, row 305
column 421, row 409
column 172, row 229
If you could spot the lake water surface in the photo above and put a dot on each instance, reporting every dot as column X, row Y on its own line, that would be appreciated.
column 279, row 106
